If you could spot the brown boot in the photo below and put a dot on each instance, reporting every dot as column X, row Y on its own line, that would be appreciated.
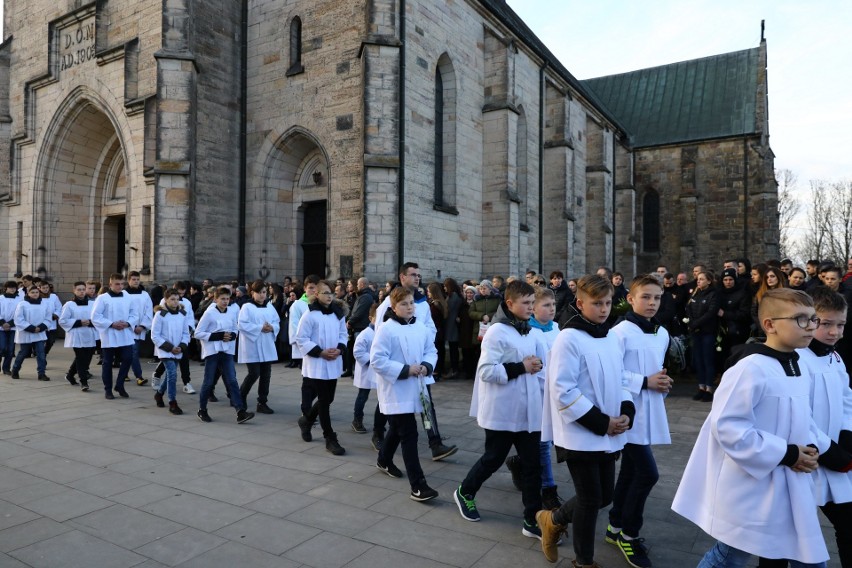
column 174, row 408
column 550, row 532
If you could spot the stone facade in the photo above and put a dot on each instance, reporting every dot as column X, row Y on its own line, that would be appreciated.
column 262, row 139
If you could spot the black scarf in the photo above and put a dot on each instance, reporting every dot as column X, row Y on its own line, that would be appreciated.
column 332, row 308
column 504, row 316
column 645, row 325
column 597, row 331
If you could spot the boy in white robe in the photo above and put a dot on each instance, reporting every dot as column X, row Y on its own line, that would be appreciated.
column 8, row 302
column 80, row 334
column 365, row 379
column 403, row 356
column 170, row 335
column 114, row 315
column 644, row 343
column 831, row 403
column 587, row 410
column 506, row 402
column 748, row 483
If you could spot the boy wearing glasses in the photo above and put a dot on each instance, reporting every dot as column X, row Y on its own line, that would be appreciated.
column 746, row 482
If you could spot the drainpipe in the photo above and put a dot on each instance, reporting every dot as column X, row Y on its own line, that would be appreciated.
column 241, row 247
column 541, row 102
column 400, row 242
column 745, row 197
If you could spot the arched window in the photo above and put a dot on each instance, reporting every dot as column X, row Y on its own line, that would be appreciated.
column 445, row 135
column 295, row 47
column 651, row 221
column 521, row 155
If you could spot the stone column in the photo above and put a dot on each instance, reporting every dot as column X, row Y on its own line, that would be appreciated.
column 599, row 188
column 626, row 239
column 559, row 207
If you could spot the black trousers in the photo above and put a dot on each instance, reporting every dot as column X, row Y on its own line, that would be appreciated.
column 593, row 474
column 261, row 371
column 497, row 446
column 325, row 389
column 402, row 430
column 82, row 360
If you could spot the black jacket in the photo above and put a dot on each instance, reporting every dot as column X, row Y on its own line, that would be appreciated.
column 736, row 306
column 703, row 311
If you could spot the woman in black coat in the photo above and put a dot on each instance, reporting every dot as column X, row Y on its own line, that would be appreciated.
column 702, row 310
column 735, row 313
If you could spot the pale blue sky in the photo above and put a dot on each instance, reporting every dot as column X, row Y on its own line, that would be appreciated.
column 809, row 57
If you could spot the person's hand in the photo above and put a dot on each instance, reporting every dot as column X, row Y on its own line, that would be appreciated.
column 416, row 370
column 120, row 325
column 807, row 461
column 86, row 323
column 330, row 354
column 227, row 336
column 618, row 425
column 266, row 328
column 532, row 364
column 486, row 319
column 660, row 382
column 721, row 312
column 176, row 350
column 138, row 329
column 6, row 327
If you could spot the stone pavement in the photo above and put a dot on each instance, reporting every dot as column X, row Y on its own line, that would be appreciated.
column 86, row 482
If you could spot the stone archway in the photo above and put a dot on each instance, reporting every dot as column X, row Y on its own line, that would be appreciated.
column 80, row 204
column 286, row 233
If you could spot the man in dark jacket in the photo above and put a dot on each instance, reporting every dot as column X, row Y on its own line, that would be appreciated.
column 560, row 289
column 359, row 319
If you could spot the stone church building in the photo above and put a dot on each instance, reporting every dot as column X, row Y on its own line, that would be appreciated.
column 228, row 138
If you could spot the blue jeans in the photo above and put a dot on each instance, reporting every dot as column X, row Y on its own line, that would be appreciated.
column 124, row 354
column 134, row 362
column 637, row 477
column 171, row 378
column 724, row 556
column 546, row 465
column 360, row 402
column 24, row 352
column 7, row 348
column 704, row 358
column 224, row 362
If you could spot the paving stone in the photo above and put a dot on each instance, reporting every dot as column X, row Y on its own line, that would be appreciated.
column 232, row 554
column 107, row 484
column 198, row 512
column 328, row 550
column 335, row 517
column 282, row 503
column 20, row 536
column 268, row 533
column 178, row 547
column 126, row 527
column 88, row 551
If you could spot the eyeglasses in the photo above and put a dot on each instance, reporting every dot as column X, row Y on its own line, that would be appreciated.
column 539, row 282
column 802, row 321
column 412, row 275
column 326, row 293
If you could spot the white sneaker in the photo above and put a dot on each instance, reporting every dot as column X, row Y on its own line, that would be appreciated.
column 187, row 388
column 155, row 381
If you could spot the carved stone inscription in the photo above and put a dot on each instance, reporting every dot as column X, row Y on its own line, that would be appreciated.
column 77, row 44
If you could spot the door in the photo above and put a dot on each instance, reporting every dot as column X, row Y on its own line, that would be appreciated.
column 314, row 238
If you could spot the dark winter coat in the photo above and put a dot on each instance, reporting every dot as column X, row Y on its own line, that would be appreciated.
column 702, row 311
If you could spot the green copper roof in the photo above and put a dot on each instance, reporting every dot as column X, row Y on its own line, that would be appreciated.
column 712, row 97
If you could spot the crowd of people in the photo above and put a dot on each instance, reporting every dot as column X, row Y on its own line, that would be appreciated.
column 576, row 365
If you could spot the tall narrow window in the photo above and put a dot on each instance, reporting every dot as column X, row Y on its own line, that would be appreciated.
column 146, row 239
column 521, row 152
column 651, row 221
column 295, row 47
column 445, row 136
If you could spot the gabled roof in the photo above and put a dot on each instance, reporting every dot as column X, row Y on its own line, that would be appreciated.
column 711, row 97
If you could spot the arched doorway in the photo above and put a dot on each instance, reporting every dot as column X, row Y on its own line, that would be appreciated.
column 288, row 226
column 82, row 188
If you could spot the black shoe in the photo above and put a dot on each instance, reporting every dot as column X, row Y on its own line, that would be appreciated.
column 347, row 374
column 331, row 445
column 305, row 427
column 174, row 408
column 708, row 397
column 531, row 530
column 422, row 492
column 550, row 499
column 158, row 398
column 109, row 396
column 84, row 385
column 263, row 409
column 203, row 416
column 441, row 451
column 391, row 470
column 122, row 393
column 70, row 378
column 377, row 442
column 243, row 416
column 212, row 397
column 358, row 426
column 15, row 374
column 514, row 465
column 43, row 378
column 7, row 373
column 634, row 551
column 698, row 396
column 611, row 535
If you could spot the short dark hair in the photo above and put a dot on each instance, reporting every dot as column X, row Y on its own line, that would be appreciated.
column 133, row 273
column 812, row 262
column 518, row 289
column 223, row 291
column 77, row 283
column 398, row 294
column 595, row 286
column 404, row 268
column 116, row 277
column 10, row 284
column 644, row 280
column 257, row 286
column 312, row 279
column 786, row 261
column 556, row 274
column 827, row 300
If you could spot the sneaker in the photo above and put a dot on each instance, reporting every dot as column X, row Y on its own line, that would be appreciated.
column 391, row 470
column 263, row 409
column 333, row 447
column 70, row 378
column 634, row 551
column 550, row 534
column 187, row 388
column 377, row 442
column 15, row 374
column 611, row 535
column 43, row 378
column 84, row 385
column 140, row 381
column 174, row 408
column 467, row 506
column 243, row 416
column 212, row 397
column 203, row 416
column 422, row 492
column 513, row 463
column 441, row 451
column 698, row 396
column 305, row 428
column 158, row 398
column 550, row 499
column 531, row 530
column 358, row 426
